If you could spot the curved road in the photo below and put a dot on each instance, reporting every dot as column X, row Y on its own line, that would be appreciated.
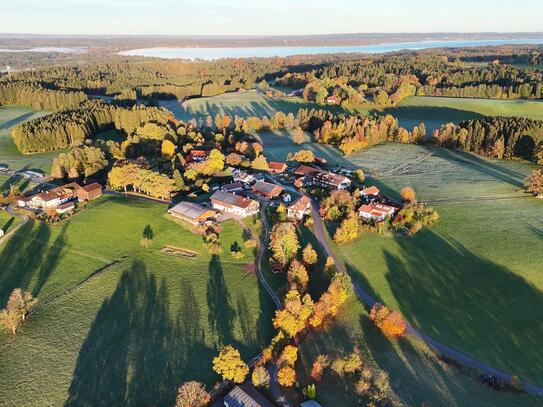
column 318, row 230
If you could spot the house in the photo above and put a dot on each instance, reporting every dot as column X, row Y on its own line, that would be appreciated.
column 191, row 212
column 89, row 192
column 286, row 197
column 333, row 100
column 376, row 211
column 306, row 170
column 245, row 395
column 235, row 204
column 242, row 176
column 299, row 208
column 65, row 207
column 299, row 182
column 330, row 180
column 371, row 192
column 51, row 198
column 276, row 167
column 267, row 190
column 197, row 156
column 232, row 187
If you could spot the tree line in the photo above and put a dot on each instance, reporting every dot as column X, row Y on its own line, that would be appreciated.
column 38, row 97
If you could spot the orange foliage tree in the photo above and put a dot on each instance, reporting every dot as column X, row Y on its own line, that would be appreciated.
column 390, row 322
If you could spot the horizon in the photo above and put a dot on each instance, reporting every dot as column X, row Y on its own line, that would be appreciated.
column 241, row 18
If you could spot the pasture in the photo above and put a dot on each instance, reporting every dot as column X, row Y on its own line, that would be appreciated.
column 10, row 116
column 151, row 320
column 473, row 280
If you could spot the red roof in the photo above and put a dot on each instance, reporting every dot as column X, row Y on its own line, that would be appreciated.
column 273, row 165
column 305, row 170
column 301, row 204
column 373, row 190
column 377, row 209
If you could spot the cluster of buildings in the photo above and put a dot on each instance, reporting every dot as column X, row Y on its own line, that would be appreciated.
column 63, row 198
column 312, row 176
column 245, row 395
column 372, row 209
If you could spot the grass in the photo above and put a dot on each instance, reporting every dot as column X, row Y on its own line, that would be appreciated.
column 416, row 375
column 8, row 222
column 474, row 280
column 151, row 320
column 10, row 116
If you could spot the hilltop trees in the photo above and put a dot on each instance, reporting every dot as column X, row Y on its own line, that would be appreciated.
column 18, row 306
column 82, row 161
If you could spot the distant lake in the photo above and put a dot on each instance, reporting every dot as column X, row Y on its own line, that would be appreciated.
column 63, row 50
column 263, row 52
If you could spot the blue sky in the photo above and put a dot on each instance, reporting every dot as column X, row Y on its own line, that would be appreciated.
column 227, row 17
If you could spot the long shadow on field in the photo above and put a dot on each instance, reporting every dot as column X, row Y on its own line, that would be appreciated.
column 484, row 166
column 136, row 353
column 50, row 260
column 13, row 122
column 21, row 258
column 429, row 113
column 469, row 303
column 221, row 313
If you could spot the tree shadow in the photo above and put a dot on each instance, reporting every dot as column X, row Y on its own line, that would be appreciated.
column 50, row 261
column 469, row 303
column 15, row 121
column 220, row 311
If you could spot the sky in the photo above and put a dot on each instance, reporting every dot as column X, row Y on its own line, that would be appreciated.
column 271, row 17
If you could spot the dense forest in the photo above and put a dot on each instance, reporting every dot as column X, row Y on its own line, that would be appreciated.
column 19, row 93
column 73, row 126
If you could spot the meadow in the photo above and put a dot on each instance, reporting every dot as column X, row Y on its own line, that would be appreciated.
column 10, row 116
column 474, row 279
column 151, row 320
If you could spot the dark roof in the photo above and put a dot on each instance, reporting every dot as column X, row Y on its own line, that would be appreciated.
column 267, row 188
column 232, row 186
column 92, row 187
column 246, row 395
column 305, row 170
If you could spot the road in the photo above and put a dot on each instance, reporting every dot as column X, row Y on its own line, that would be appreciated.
column 365, row 297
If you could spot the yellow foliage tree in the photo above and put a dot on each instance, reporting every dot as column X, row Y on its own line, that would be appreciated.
column 168, row 148
column 230, row 366
column 286, row 376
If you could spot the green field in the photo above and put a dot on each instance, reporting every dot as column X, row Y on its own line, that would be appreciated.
column 150, row 320
column 416, row 375
column 10, row 116
column 475, row 279
column 8, row 222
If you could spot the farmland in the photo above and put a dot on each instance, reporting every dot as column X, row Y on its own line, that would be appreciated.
column 152, row 319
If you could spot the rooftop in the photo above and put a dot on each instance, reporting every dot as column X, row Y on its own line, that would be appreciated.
column 189, row 210
column 232, row 199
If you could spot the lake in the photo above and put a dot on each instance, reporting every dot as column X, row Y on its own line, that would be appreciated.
column 263, row 52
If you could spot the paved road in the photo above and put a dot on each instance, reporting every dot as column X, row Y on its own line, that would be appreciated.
column 318, row 230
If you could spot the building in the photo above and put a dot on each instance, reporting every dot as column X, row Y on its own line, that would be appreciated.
column 242, row 176
column 267, row 190
column 245, row 395
column 51, row 198
column 376, row 211
column 333, row 100
column 232, row 187
column 89, row 192
column 299, row 208
column 65, row 207
column 30, row 174
column 306, row 170
column 371, row 192
column 330, row 180
column 235, row 204
column 197, row 156
column 276, row 168
column 259, row 177
column 191, row 212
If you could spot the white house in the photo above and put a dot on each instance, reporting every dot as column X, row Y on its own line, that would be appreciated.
column 235, row 204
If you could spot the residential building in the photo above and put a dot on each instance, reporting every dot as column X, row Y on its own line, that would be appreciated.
column 276, row 167
column 232, row 187
column 245, row 395
column 89, row 192
column 242, row 176
column 371, row 192
column 330, row 180
column 197, row 156
column 65, row 207
column 376, row 211
column 299, row 208
column 333, row 100
column 306, row 170
column 51, row 198
column 191, row 212
column 267, row 190
column 235, row 204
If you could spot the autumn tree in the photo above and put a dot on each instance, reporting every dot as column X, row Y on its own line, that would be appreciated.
column 229, row 365
column 192, row 394
column 332, row 299
column 284, row 242
column 534, row 183
column 297, row 276
column 303, row 156
column 317, row 369
column 408, row 194
column 286, row 376
column 347, row 365
column 260, row 163
column 260, row 377
column 298, row 136
column 391, row 323
column 289, row 355
column 17, row 308
column 348, row 230
column 309, row 255
column 293, row 318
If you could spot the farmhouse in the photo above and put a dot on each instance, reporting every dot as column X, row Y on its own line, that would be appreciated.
column 65, row 207
column 235, row 204
column 197, row 156
column 376, row 211
column 245, row 395
column 52, row 198
column 232, row 187
column 333, row 100
column 299, row 208
column 191, row 212
column 89, row 192
column 277, row 168
column 330, row 180
column 267, row 190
